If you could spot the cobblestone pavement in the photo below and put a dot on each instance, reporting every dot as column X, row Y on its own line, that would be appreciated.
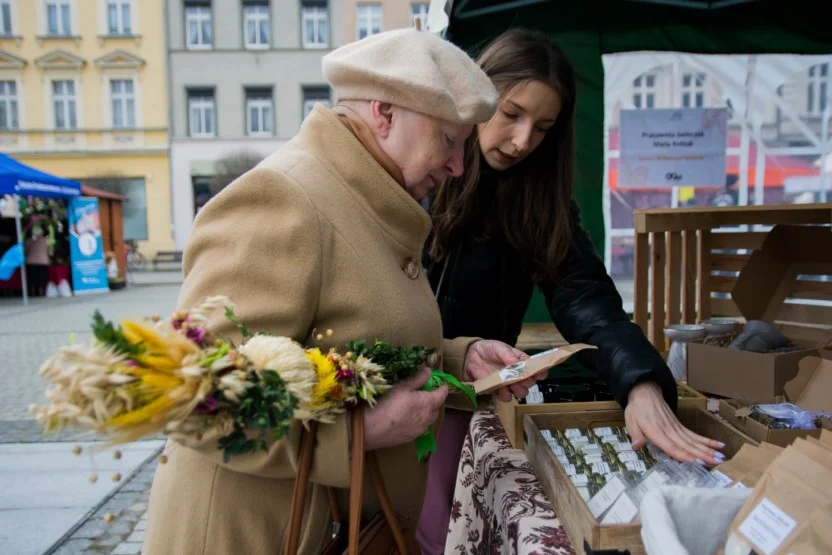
column 127, row 514
column 28, row 335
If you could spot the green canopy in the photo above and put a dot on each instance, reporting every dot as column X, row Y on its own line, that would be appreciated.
column 588, row 29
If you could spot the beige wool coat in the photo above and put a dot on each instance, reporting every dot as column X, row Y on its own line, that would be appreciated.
column 319, row 236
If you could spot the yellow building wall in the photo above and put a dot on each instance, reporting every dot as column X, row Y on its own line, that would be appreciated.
column 150, row 46
column 96, row 149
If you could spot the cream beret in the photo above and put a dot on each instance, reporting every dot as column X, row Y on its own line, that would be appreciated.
column 415, row 70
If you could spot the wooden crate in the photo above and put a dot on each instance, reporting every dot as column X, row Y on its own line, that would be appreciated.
column 678, row 249
column 585, row 532
column 511, row 414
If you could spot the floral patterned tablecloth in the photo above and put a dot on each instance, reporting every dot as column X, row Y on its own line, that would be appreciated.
column 499, row 505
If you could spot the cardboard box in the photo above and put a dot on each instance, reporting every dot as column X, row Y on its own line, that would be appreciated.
column 511, row 413
column 767, row 280
column 585, row 532
column 811, row 389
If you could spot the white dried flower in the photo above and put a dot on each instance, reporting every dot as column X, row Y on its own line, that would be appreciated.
column 285, row 357
column 202, row 313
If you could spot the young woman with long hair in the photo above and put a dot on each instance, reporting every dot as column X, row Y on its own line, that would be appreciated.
column 508, row 225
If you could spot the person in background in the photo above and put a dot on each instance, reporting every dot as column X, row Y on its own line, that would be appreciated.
column 730, row 196
column 37, row 261
column 510, row 224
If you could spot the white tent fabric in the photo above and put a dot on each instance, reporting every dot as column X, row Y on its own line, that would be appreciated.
column 438, row 16
column 748, row 83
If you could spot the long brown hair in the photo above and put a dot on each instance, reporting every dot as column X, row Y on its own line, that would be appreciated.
column 532, row 206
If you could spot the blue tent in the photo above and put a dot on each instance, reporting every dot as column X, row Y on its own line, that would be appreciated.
column 21, row 180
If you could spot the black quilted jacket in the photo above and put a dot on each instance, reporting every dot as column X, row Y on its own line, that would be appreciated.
column 485, row 293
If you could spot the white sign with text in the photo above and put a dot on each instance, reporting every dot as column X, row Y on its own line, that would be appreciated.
column 673, row 147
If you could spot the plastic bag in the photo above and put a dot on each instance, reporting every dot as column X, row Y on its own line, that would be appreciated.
column 10, row 261
column 791, row 415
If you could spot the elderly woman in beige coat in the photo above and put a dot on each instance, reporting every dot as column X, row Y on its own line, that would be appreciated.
column 327, row 233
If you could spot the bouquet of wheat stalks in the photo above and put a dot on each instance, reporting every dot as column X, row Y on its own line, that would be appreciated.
column 177, row 377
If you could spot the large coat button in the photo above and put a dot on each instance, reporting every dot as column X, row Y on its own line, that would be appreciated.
column 411, row 268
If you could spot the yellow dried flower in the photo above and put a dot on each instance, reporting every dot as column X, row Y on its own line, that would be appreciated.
column 327, row 377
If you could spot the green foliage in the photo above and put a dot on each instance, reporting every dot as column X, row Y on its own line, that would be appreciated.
column 108, row 334
column 267, row 407
column 231, row 317
column 399, row 362
column 438, row 379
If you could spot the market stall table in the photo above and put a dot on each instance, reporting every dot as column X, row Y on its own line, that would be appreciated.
column 499, row 505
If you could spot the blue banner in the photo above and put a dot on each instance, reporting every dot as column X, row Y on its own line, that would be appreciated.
column 89, row 272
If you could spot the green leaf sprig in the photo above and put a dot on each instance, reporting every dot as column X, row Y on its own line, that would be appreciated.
column 108, row 334
column 267, row 406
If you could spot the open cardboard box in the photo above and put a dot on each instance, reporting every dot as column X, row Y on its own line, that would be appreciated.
column 767, row 280
column 511, row 413
column 811, row 389
column 587, row 535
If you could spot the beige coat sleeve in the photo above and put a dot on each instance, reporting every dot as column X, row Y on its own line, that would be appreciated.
column 258, row 242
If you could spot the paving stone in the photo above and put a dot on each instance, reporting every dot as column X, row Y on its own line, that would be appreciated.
column 136, row 536
column 140, row 507
column 109, row 540
column 127, row 548
column 74, row 547
column 92, row 529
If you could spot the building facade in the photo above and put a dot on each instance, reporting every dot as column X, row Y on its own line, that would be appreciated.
column 243, row 75
column 806, row 96
column 367, row 18
column 82, row 95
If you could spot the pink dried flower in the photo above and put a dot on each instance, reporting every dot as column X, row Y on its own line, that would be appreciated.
column 197, row 335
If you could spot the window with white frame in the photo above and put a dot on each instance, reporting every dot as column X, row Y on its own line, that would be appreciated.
column 199, row 26
column 817, row 91
column 256, row 25
column 5, row 18
column 202, row 113
column 315, row 25
column 8, row 106
column 644, row 91
column 693, row 90
column 64, row 104
column 119, row 17
column 123, row 102
column 259, row 112
column 419, row 11
column 318, row 94
column 368, row 18
column 58, row 18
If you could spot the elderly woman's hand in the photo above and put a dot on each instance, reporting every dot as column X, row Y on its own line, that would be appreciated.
column 488, row 356
column 649, row 418
column 403, row 413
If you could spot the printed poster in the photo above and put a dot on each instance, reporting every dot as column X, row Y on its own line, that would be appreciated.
column 89, row 273
column 673, row 147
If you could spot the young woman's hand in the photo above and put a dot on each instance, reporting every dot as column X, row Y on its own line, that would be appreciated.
column 649, row 418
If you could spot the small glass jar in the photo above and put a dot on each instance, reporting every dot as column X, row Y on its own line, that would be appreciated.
column 680, row 335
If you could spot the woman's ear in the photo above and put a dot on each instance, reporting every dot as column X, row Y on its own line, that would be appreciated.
column 381, row 118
